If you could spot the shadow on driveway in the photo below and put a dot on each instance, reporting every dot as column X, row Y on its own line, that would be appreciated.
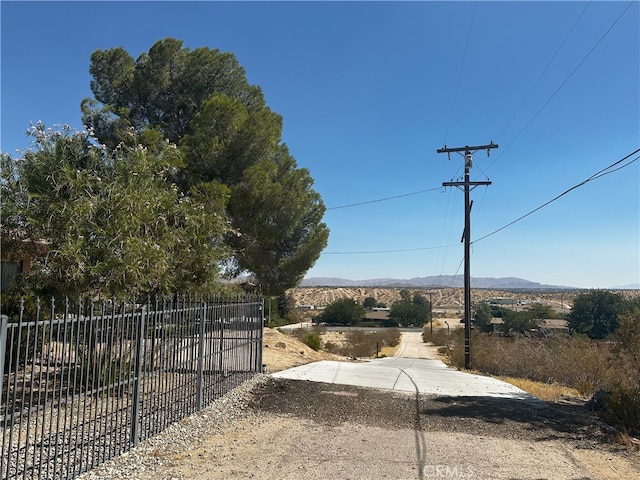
column 334, row 404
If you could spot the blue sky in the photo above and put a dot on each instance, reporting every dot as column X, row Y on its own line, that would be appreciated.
column 370, row 90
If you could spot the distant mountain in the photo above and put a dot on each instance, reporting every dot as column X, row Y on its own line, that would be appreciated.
column 456, row 281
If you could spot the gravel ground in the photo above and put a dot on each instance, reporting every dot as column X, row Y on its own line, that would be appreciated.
column 285, row 429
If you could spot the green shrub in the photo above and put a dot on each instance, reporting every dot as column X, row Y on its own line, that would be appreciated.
column 312, row 340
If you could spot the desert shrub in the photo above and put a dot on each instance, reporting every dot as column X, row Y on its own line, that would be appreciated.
column 390, row 337
column 332, row 347
column 319, row 329
column 312, row 340
column 455, row 347
column 622, row 409
column 440, row 336
column 298, row 333
column 582, row 364
column 575, row 362
column 360, row 343
column 628, row 342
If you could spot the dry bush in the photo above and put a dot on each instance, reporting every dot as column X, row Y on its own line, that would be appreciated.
column 319, row 329
column 390, row 337
column 360, row 343
column 575, row 362
column 441, row 336
column 583, row 364
column 332, row 347
column 622, row 409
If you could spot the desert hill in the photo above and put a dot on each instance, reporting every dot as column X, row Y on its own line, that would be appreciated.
column 441, row 297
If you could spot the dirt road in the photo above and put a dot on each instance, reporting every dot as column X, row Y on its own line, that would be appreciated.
column 412, row 346
column 308, row 430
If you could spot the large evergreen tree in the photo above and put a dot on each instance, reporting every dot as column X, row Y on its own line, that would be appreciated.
column 229, row 139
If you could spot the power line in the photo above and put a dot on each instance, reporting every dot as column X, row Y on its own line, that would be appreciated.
column 464, row 56
column 544, row 70
column 448, row 214
column 605, row 171
column 601, row 173
column 563, row 83
column 386, row 198
column 386, row 251
column 528, row 123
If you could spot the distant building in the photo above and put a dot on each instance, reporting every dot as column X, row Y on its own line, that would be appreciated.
column 503, row 301
column 377, row 314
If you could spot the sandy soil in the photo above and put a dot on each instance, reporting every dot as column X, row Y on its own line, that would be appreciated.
column 282, row 351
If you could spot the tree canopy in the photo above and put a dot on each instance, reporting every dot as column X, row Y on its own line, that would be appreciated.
column 165, row 88
column 595, row 313
column 369, row 303
column 110, row 220
column 181, row 176
column 344, row 311
column 202, row 101
column 410, row 310
column 483, row 317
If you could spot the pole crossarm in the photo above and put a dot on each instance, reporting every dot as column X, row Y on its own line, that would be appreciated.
column 462, row 184
column 467, row 149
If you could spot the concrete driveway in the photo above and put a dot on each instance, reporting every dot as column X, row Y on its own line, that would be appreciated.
column 414, row 370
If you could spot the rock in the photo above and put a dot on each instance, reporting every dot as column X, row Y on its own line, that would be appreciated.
column 281, row 345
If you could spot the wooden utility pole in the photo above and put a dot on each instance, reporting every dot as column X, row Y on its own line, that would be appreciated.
column 468, row 186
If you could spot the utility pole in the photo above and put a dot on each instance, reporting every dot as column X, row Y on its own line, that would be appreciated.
column 468, row 186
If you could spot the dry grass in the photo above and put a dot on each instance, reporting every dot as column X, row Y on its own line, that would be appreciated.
column 282, row 351
column 543, row 391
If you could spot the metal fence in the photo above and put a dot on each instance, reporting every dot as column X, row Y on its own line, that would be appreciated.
column 84, row 383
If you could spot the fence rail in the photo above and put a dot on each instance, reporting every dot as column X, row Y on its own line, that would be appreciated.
column 87, row 383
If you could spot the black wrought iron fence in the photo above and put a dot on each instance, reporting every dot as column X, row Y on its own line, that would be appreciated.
column 83, row 383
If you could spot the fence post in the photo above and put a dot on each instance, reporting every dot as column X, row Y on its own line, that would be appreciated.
column 201, row 357
column 260, row 367
column 135, row 420
column 4, row 324
column 221, row 321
